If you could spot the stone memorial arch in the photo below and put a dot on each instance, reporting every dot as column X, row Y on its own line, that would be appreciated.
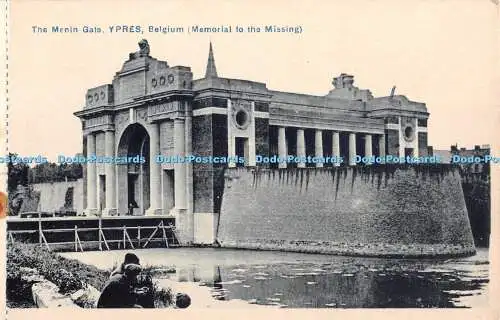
column 151, row 109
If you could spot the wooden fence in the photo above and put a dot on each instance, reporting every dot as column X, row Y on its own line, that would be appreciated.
column 120, row 237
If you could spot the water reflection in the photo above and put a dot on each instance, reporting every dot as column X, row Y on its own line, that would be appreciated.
column 346, row 283
column 295, row 280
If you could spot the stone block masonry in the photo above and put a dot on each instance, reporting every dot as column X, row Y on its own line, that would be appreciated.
column 383, row 210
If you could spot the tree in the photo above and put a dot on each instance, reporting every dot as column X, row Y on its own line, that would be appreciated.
column 17, row 174
column 51, row 172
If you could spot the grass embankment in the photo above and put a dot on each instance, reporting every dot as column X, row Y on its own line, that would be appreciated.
column 68, row 274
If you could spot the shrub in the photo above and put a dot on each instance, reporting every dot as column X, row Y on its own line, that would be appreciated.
column 162, row 297
column 17, row 288
column 69, row 275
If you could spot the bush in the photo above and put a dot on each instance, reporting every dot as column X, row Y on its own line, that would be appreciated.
column 162, row 298
column 69, row 275
column 17, row 289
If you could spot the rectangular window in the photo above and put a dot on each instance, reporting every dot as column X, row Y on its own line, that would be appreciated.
column 242, row 150
column 422, row 122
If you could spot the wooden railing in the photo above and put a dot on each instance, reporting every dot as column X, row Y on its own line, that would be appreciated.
column 125, row 239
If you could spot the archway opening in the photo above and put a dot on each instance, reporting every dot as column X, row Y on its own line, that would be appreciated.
column 133, row 176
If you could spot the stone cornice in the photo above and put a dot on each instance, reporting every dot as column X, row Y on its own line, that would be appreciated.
column 230, row 94
column 138, row 102
column 397, row 112
column 89, row 113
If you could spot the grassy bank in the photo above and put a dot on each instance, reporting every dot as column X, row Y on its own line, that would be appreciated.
column 68, row 274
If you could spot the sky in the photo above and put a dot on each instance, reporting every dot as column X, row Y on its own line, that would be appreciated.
column 440, row 52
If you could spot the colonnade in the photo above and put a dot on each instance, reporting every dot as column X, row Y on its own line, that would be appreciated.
column 181, row 143
column 283, row 146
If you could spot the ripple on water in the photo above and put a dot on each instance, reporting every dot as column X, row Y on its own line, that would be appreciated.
column 301, row 274
column 437, row 270
column 230, row 282
column 274, row 299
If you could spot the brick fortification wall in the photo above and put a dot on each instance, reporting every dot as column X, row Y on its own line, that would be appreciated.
column 374, row 211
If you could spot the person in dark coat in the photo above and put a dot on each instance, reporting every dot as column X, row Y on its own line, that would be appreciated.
column 119, row 290
column 129, row 258
column 144, row 290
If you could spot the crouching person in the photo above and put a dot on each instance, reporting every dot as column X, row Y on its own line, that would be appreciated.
column 144, row 291
column 119, row 290
column 130, row 258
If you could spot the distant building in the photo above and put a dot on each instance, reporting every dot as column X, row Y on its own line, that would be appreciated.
column 478, row 151
column 476, row 185
column 444, row 155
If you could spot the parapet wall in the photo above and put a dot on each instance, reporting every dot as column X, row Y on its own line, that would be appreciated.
column 385, row 210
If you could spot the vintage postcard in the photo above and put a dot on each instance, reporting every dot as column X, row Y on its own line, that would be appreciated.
column 271, row 158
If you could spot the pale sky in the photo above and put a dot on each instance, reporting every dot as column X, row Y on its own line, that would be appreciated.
column 443, row 53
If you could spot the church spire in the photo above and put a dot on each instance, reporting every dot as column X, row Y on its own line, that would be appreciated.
column 211, row 70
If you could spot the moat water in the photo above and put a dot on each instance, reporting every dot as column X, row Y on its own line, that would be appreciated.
column 295, row 280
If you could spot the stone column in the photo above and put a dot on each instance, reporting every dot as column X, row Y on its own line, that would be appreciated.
column 352, row 149
column 368, row 146
column 154, row 172
column 301, row 147
column 179, row 168
column 282, row 150
column 188, row 229
column 336, row 147
column 415, row 143
column 110, row 170
column 91, row 177
column 231, row 148
column 318, row 141
column 381, row 145
column 401, row 148
column 251, row 161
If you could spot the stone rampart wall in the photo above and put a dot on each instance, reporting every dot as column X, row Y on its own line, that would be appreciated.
column 374, row 210
column 52, row 195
